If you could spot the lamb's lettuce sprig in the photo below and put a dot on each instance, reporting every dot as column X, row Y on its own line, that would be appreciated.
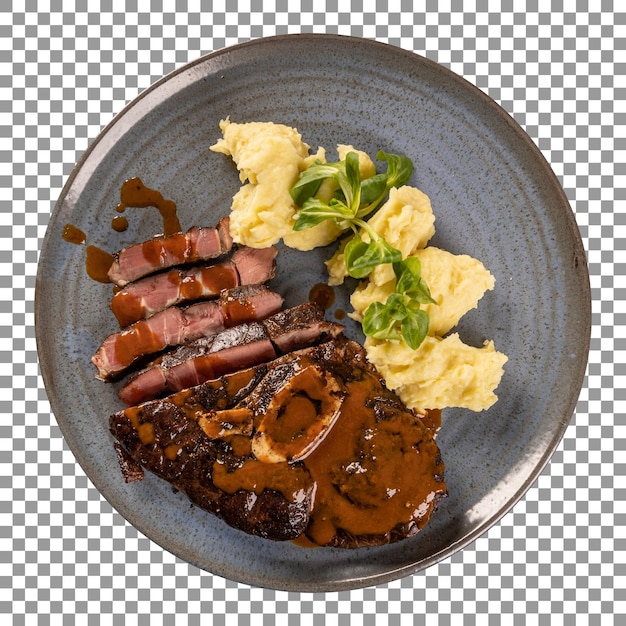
column 401, row 316
column 354, row 200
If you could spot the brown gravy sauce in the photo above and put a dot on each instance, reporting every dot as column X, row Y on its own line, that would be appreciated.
column 145, row 430
column 133, row 193
column 237, row 311
column 97, row 261
column 369, row 474
column 97, row 264
column 323, row 295
column 136, row 195
column 214, row 278
column 127, row 308
column 73, row 234
column 138, row 334
column 432, row 420
column 119, row 223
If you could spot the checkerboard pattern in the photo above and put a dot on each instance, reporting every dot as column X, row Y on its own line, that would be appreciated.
column 68, row 67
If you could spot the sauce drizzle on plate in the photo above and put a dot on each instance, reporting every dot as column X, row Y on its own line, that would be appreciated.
column 135, row 194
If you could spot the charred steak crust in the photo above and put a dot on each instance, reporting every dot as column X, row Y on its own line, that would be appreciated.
column 219, row 473
column 160, row 437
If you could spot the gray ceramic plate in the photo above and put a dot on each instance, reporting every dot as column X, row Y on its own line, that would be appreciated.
column 495, row 198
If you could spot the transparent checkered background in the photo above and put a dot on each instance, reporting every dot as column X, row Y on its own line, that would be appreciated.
column 68, row 67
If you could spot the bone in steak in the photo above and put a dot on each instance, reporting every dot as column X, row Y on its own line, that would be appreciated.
column 174, row 326
column 197, row 244
column 145, row 297
column 238, row 347
column 344, row 462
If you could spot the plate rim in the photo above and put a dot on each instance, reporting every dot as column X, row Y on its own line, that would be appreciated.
column 555, row 185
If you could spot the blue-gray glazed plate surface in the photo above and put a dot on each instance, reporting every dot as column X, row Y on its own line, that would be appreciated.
column 494, row 197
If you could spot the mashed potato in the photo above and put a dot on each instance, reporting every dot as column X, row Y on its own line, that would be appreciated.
column 441, row 373
column 269, row 158
column 367, row 169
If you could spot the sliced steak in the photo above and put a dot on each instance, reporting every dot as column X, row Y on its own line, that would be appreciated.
column 145, row 297
column 172, row 374
column 238, row 347
column 349, row 465
column 175, row 326
column 197, row 244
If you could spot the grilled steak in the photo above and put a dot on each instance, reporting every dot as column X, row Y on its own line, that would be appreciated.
column 197, row 244
column 175, row 326
column 145, row 297
column 310, row 446
column 240, row 346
